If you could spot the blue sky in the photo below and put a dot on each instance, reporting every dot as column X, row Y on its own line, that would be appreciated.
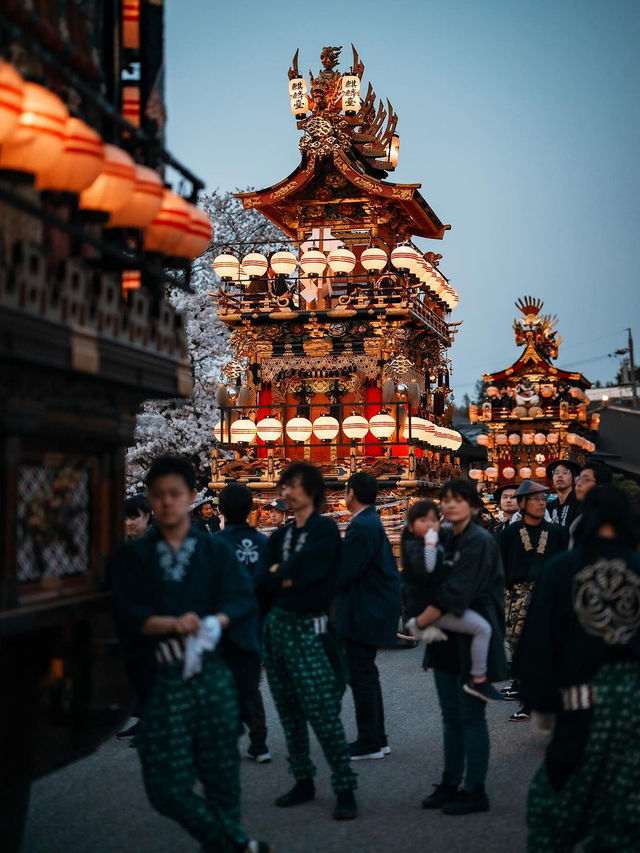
column 521, row 120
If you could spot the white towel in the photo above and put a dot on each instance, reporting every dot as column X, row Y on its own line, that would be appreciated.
column 205, row 640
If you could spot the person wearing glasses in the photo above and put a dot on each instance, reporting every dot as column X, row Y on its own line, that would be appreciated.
column 592, row 474
column 525, row 546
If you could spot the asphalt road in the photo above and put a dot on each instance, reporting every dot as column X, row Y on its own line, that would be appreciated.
column 98, row 805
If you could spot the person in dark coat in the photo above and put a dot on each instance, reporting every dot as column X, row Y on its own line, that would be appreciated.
column 473, row 580
column 192, row 605
column 579, row 660
column 505, row 495
column 564, row 508
column 591, row 474
column 205, row 515
column 367, row 610
column 250, row 548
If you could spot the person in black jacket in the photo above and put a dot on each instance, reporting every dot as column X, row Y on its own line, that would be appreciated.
column 367, row 610
column 473, row 579
column 564, row 508
column 297, row 590
column 182, row 595
column 579, row 659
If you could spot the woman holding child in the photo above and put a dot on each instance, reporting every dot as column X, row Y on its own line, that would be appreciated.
column 456, row 585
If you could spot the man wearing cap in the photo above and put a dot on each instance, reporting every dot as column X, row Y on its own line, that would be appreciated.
column 277, row 513
column 205, row 515
column 505, row 496
column 525, row 546
column 564, row 507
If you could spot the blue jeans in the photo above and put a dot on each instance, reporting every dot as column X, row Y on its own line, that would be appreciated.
column 466, row 736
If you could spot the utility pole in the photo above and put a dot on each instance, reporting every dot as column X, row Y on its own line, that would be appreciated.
column 632, row 368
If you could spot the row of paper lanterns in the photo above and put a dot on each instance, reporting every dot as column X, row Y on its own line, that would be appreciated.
column 64, row 154
column 537, row 438
column 491, row 474
column 326, row 428
column 340, row 261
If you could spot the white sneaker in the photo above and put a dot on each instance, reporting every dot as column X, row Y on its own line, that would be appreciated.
column 386, row 750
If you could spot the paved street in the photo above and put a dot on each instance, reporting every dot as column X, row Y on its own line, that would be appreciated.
column 98, row 805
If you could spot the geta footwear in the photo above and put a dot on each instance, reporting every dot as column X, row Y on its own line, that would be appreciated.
column 346, row 806
column 483, row 690
column 445, row 791
column 358, row 753
column 520, row 716
column 259, row 752
column 468, row 802
column 302, row 792
column 129, row 730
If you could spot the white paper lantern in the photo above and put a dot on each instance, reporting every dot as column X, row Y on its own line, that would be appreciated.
column 269, row 430
column 298, row 97
column 405, row 258
column 382, row 426
column 475, row 473
column 313, row 262
column 540, row 438
column 243, row 431
column 483, row 440
column 514, row 438
column 283, row 263
column 420, row 429
column 493, row 391
column 456, row 439
column 255, row 264
column 552, row 438
column 508, row 473
column 501, row 438
column 227, row 267
column 527, row 438
column 326, row 428
column 342, row 261
column 355, row 427
column 351, row 94
column 541, row 471
column 374, row 259
column 218, row 432
column 525, row 472
column 491, row 473
column 299, row 429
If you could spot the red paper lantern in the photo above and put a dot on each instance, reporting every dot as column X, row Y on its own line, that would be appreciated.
column 198, row 236
column 144, row 202
column 38, row 138
column 80, row 162
column 131, row 24
column 114, row 185
column 170, row 225
column 11, row 95
column 131, row 280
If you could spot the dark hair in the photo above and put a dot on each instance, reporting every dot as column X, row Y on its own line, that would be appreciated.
column 601, row 473
column 365, row 487
column 236, row 502
column 463, row 489
column 311, row 480
column 135, row 505
column 607, row 505
column 420, row 509
column 163, row 465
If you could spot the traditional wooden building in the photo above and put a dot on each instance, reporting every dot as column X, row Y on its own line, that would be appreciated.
column 535, row 412
column 340, row 332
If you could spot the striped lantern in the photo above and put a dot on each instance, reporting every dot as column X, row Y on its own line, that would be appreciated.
column 243, row 431
column 144, row 203
column 313, row 262
column 355, row 427
column 255, row 264
column 405, row 258
column 440, row 437
column 342, row 261
column 37, row 139
column 11, row 95
column 269, row 430
column 299, row 429
column 374, row 259
column 79, row 163
column 131, row 104
column 382, row 426
column 227, row 267
column 198, row 236
column 217, row 432
column 456, row 439
column 167, row 230
column 114, row 185
column 131, row 280
column 131, row 24
column 283, row 263
column 326, row 428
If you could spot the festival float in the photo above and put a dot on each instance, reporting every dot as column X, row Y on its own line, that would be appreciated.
column 535, row 412
column 339, row 332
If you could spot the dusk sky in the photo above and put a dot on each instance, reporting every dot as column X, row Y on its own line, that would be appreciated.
column 521, row 120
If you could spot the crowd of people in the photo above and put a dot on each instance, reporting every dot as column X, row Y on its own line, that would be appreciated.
column 545, row 598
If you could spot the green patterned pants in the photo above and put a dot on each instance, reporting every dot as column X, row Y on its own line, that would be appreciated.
column 305, row 690
column 189, row 733
column 600, row 802
column 518, row 599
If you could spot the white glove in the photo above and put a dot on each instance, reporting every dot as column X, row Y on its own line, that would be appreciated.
column 430, row 634
column 205, row 640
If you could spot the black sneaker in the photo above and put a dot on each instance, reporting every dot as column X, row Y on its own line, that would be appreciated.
column 444, row 793
column 522, row 715
column 468, row 802
column 259, row 752
column 484, row 690
column 129, row 731
column 302, row 792
column 358, row 753
column 346, row 806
